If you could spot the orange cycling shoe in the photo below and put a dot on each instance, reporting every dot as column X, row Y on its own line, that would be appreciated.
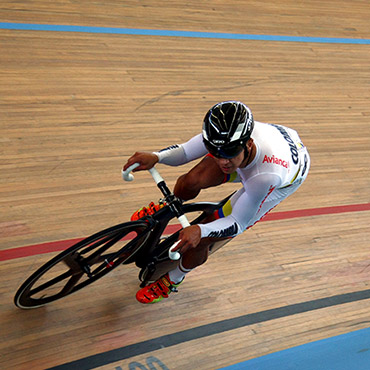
column 156, row 291
column 147, row 211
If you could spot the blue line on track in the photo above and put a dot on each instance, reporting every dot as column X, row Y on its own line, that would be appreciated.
column 169, row 33
column 343, row 352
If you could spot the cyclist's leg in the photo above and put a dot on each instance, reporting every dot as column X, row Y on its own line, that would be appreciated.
column 204, row 175
column 197, row 256
column 168, row 283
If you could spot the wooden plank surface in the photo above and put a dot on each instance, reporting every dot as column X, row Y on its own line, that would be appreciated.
column 74, row 106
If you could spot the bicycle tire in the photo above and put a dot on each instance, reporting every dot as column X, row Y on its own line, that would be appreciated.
column 71, row 270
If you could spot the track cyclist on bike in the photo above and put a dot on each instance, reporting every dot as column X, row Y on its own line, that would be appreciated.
column 269, row 161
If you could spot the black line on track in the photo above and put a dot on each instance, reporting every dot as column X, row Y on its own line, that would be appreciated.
column 218, row 327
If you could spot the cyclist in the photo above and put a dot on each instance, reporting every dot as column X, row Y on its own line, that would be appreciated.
column 269, row 160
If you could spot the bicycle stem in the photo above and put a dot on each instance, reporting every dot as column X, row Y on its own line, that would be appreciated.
column 172, row 201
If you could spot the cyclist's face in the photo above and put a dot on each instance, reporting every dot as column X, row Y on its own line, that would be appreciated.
column 229, row 165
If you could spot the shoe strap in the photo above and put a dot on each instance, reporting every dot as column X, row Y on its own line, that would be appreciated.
column 168, row 284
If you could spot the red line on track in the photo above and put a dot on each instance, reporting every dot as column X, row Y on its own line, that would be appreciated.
column 316, row 212
column 58, row 246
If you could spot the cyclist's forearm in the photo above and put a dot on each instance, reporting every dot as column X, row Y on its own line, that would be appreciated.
column 172, row 156
column 178, row 154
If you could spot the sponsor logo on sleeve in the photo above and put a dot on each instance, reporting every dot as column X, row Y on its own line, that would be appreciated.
column 169, row 148
column 229, row 231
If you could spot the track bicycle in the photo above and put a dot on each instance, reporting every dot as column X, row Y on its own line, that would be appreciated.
column 142, row 242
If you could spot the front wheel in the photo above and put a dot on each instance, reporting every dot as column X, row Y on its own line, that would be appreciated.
column 82, row 264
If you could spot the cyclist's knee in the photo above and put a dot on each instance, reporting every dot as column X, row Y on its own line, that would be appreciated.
column 204, row 175
column 190, row 180
column 196, row 257
column 187, row 187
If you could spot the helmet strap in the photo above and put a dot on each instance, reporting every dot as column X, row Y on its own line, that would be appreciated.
column 246, row 152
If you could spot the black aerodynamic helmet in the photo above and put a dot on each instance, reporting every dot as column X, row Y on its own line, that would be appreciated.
column 227, row 126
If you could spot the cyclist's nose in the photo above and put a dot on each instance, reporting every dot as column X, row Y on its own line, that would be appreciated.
column 224, row 160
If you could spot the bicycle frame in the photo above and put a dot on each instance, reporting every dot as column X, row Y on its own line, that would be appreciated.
column 155, row 257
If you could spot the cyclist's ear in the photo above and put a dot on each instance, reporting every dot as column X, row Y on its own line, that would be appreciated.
column 249, row 144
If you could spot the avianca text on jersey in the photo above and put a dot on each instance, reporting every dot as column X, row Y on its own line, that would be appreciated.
column 275, row 160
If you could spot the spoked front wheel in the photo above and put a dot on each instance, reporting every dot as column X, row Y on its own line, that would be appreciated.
column 82, row 264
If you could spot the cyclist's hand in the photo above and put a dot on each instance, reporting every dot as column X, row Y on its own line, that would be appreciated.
column 189, row 238
column 146, row 160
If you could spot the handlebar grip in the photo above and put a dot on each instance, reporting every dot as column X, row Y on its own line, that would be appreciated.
column 174, row 255
column 126, row 175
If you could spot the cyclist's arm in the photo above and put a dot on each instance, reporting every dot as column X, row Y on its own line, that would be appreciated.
column 179, row 154
column 245, row 208
column 174, row 155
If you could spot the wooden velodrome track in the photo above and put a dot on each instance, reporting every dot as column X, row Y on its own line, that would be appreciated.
column 75, row 105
